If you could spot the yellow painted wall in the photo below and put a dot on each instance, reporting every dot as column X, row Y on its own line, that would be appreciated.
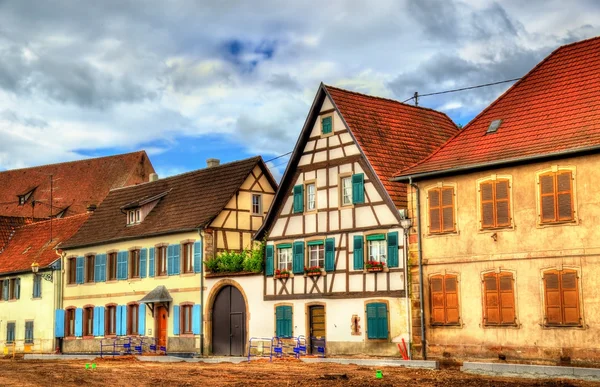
column 26, row 308
column 526, row 249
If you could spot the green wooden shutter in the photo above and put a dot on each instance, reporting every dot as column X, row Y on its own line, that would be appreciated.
column 358, row 188
column 372, row 326
column 287, row 317
column 283, row 321
column 392, row 242
column 298, row 198
column 298, row 262
column 278, row 321
column 326, row 125
column 382, row 321
column 329, row 254
column 359, row 254
column 270, row 265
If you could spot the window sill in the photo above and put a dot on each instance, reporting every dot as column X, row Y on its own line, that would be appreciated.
column 191, row 274
column 187, row 335
column 112, row 281
column 451, row 326
column 442, row 234
column 162, row 276
column 88, row 337
column 574, row 222
column 496, row 229
column 378, row 340
column 325, row 135
column 134, row 279
column 36, row 298
column 501, row 326
column 579, row 327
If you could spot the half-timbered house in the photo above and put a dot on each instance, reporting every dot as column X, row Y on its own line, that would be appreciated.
column 335, row 267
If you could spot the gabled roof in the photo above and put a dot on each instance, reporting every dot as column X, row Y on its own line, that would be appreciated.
column 554, row 110
column 8, row 226
column 194, row 199
column 76, row 184
column 31, row 243
column 389, row 133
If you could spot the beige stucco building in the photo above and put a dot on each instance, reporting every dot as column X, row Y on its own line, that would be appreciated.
column 134, row 274
column 504, row 214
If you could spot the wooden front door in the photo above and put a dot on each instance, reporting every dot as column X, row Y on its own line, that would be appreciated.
column 161, row 319
column 229, row 323
column 316, row 326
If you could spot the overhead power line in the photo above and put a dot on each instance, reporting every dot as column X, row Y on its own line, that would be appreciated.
column 278, row 157
column 417, row 95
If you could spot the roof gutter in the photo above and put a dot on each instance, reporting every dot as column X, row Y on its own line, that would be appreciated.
column 71, row 247
column 474, row 167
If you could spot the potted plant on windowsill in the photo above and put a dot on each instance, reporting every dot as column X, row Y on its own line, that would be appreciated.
column 313, row 271
column 282, row 273
column 374, row 266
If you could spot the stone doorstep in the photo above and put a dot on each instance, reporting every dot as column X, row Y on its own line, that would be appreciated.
column 428, row 364
column 534, row 370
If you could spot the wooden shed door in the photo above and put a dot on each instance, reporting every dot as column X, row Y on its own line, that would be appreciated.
column 317, row 327
column 229, row 323
column 161, row 325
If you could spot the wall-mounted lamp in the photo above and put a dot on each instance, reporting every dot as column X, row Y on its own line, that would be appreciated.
column 35, row 267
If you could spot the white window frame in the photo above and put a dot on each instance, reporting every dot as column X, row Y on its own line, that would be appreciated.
column 258, row 205
column 346, row 190
column 319, row 252
column 311, row 197
column 284, row 258
column 377, row 251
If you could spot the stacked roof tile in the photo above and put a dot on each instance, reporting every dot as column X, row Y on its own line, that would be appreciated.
column 554, row 109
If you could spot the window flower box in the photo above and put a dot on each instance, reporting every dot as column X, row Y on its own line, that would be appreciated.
column 374, row 266
column 313, row 271
column 282, row 274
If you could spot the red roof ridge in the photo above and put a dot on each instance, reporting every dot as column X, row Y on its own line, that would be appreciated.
column 387, row 99
column 227, row 164
column 70, row 217
column 496, row 101
column 76, row 161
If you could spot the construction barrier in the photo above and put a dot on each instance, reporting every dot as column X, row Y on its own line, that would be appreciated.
column 130, row 345
column 261, row 347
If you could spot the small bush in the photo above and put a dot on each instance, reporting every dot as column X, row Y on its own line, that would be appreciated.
column 231, row 262
column 254, row 260
column 212, row 264
column 234, row 262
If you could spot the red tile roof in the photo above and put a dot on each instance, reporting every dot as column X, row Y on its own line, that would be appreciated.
column 31, row 243
column 8, row 226
column 76, row 184
column 555, row 108
column 392, row 134
column 192, row 201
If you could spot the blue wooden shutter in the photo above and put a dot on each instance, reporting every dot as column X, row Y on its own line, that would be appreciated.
column 78, row 322
column 326, row 125
column 329, row 254
column 176, row 259
column 197, row 257
column 170, row 260
column 196, row 319
column 142, row 319
column 37, row 286
column 269, row 267
column 101, row 316
column 151, row 263
column 95, row 322
column 298, row 261
column 382, row 321
column 175, row 319
column 17, row 288
column 5, row 290
column 359, row 255
column 79, row 270
column 124, row 319
column 100, row 269
column 122, row 265
column 118, row 321
column 358, row 188
column 298, row 198
column 143, row 260
column 392, row 242
column 59, row 323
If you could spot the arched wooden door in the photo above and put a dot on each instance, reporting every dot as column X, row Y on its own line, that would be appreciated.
column 229, row 323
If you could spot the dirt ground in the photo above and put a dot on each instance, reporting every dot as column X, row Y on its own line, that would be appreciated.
column 131, row 372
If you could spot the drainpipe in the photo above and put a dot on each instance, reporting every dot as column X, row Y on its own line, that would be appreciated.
column 420, row 248
column 201, row 294
column 406, row 292
column 58, row 292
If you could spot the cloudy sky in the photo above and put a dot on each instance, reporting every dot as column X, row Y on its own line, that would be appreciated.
column 189, row 80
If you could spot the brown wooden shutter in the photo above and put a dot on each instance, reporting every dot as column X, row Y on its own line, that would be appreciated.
column 434, row 211
column 570, row 297
column 547, row 200
column 507, row 298
column 436, row 288
column 501, row 196
column 451, row 296
column 564, row 195
column 491, row 299
column 487, row 205
column 447, row 209
column 552, row 297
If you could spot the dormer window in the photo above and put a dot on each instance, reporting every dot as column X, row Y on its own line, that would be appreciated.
column 23, row 198
column 134, row 216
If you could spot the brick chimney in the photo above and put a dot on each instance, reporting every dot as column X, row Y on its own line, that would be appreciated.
column 153, row 177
